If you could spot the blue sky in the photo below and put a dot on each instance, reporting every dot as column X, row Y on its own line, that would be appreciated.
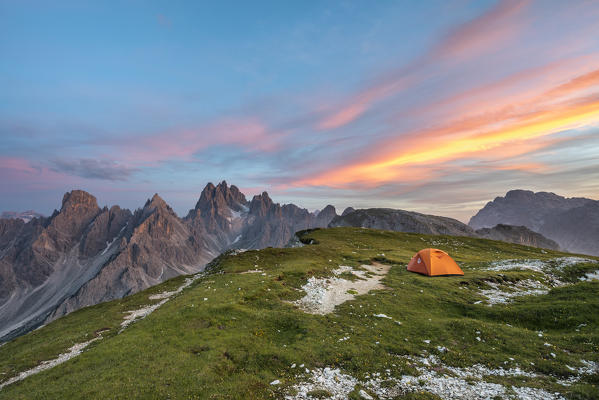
column 416, row 105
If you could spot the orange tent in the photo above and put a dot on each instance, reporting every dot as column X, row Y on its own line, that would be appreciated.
column 434, row 262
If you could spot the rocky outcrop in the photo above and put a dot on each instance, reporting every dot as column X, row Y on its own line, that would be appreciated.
column 348, row 210
column 517, row 234
column 325, row 216
column 403, row 221
column 571, row 222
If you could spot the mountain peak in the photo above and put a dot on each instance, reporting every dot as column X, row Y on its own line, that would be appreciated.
column 260, row 204
column 156, row 202
column 348, row 210
column 220, row 197
column 78, row 198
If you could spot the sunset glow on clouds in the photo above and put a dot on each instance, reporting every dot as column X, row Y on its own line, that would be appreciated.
column 431, row 107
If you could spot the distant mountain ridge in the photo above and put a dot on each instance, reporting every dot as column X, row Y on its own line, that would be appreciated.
column 571, row 222
column 409, row 221
column 83, row 254
column 517, row 234
column 402, row 221
column 26, row 216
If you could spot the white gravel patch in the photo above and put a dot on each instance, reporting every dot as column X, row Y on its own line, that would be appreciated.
column 526, row 287
column 141, row 313
column 338, row 384
column 252, row 271
column 73, row 351
column 588, row 368
column 591, row 276
column 543, row 266
column 501, row 294
column 324, row 294
column 434, row 377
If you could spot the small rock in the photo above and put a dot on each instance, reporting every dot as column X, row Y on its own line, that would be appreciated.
column 275, row 382
column 365, row 395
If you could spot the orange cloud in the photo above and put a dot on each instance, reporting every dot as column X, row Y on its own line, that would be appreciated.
column 455, row 143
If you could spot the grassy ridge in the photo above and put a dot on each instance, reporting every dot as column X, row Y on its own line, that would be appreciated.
column 230, row 334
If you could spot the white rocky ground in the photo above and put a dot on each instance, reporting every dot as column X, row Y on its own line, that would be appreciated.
column 526, row 287
column 323, row 294
column 591, row 276
column 74, row 351
column 141, row 313
column 501, row 294
column 543, row 266
column 434, row 377
column 78, row 348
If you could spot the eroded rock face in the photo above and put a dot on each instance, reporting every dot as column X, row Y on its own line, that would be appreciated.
column 272, row 225
column 155, row 245
column 571, row 222
column 517, row 234
column 403, row 221
column 348, row 210
column 41, row 264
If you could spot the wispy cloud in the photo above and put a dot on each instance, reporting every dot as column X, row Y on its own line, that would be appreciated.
column 484, row 34
column 181, row 144
column 93, row 169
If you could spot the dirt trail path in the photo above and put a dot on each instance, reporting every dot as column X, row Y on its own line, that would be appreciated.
column 324, row 294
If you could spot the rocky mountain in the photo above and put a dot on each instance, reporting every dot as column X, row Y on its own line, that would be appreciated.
column 347, row 211
column 84, row 254
column 231, row 221
column 26, row 216
column 402, row 221
column 220, row 215
column 152, row 245
column 571, row 222
column 517, row 234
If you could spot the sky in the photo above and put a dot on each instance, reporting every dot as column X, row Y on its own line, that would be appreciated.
column 430, row 106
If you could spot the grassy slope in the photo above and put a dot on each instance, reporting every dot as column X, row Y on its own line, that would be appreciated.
column 245, row 335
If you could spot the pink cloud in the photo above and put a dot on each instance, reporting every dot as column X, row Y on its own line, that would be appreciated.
column 16, row 171
column 483, row 34
column 249, row 134
column 16, row 165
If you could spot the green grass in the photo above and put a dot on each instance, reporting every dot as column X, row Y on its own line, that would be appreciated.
column 247, row 334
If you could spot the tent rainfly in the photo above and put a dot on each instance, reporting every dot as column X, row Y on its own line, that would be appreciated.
column 434, row 262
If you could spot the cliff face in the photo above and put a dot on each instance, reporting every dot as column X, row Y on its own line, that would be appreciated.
column 153, row 245
column 571, row 222
column 42, row 264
